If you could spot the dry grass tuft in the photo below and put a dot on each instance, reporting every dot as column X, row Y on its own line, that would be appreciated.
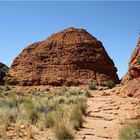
column 131, row 131
column 62, row 131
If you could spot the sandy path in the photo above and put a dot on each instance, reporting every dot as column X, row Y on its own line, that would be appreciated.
column 106, row 114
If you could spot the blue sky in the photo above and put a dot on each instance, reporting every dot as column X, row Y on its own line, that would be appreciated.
column 116, row 24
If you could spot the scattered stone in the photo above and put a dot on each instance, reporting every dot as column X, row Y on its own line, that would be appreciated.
column 108, row 119
column 116, row 113
column 9, row 134
column 10, row 128
column 84, row 137
column 25, row 133
column 21, row 134
column 130, row 95
column 22, row 126
column 116, row 108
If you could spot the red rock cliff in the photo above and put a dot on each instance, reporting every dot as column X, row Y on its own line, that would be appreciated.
column 134, row 65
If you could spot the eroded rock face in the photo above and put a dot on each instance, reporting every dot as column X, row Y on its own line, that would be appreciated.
column 134, row 65
column 131, row 80
column 3, row 71
column 72, row 57
column 132, row 88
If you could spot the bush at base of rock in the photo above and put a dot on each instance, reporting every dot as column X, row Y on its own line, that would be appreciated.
column 91, row 86
column 110, row 84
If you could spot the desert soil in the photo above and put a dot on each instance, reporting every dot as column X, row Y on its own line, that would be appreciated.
column 107, row 112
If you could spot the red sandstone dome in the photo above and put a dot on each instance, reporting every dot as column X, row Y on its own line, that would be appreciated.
column 72, row 57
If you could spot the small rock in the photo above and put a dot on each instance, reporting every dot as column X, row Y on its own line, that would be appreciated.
column 130, row 95
column 83, row 137
column 40, row 133
column 116, row 113
column 10, row 128
column 9, row 134
column 25, row 133
column 117, row 108
column 21, row 134
column 22, row 126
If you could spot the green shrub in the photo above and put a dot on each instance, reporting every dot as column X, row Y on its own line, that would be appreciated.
column 110, row 84
column 130, row 132
column 25, row 101
column 91, row 86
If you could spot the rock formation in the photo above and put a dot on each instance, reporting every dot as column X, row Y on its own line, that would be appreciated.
column 134, row 65
column 131, row 80
column 132, row 88
column 72, row 57
column 3, row 71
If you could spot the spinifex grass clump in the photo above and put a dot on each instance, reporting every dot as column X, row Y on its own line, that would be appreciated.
column 91, row 86
column 63, row 132
column 76, row 118
column 130, row 132
column 87, row 94
column 62, row 112
column 3, row 123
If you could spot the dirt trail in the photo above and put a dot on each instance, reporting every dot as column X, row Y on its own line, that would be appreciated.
column 106, row 114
